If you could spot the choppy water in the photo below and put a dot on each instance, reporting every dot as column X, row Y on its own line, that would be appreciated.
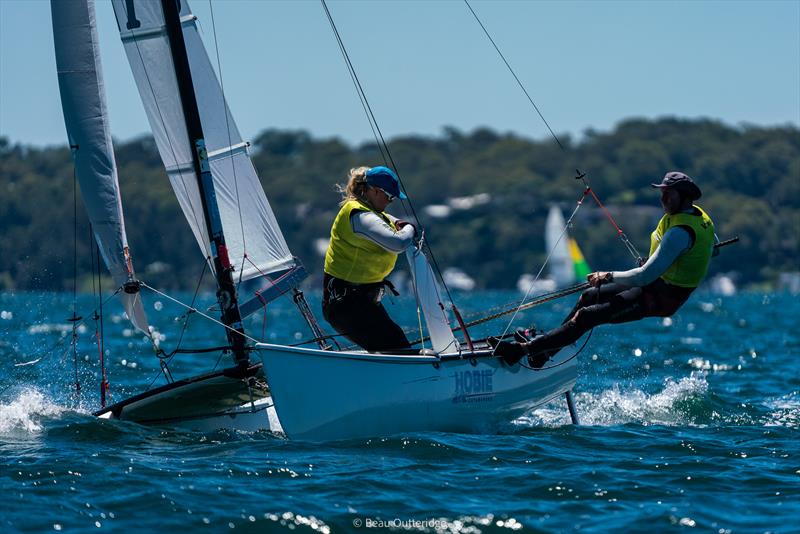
column 692, row 424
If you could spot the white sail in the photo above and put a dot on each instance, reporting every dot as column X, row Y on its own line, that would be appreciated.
column 256, row 246
column 562, row 270
column 429, row 297
column 80, row 81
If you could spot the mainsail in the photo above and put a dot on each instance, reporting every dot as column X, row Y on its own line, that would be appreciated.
column 80, row 80
column 256, row 246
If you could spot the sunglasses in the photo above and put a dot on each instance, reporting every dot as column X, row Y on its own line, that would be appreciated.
column 389, row 196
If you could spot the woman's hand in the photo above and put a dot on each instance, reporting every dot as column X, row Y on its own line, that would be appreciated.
column 400, row 224
column 598, row 278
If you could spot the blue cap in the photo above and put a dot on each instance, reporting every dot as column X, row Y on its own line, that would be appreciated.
column 385, row 178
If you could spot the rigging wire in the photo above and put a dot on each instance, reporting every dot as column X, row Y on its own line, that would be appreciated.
column 195, row 310
column 81, row 322
column 359, row 90
column 514, row 74
column 568, row 224
column 166, row 361
column 100, row 335
column 97, row 314
column 382, row 140
column 228, row 128
column 74, row 319
column 582, row 176
column 198, row 222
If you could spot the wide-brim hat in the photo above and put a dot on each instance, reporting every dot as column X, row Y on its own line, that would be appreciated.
column 681, row 182
column 385, row 178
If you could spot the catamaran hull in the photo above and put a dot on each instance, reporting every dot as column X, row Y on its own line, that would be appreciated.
column 324, row 395
column 229, row 399
column 246, row 418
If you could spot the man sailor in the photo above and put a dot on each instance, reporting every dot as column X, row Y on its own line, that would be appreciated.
column 681, row 247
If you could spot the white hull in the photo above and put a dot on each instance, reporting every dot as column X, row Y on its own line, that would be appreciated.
column 326, row 395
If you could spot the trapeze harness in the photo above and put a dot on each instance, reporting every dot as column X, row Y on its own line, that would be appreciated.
column 618, row 302
column 357, row 263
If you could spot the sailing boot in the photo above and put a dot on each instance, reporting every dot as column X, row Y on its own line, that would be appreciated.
column 510, row 352
column 538, row 359
column 537, row 356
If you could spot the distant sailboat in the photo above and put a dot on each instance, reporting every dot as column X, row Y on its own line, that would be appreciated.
column 566, row 264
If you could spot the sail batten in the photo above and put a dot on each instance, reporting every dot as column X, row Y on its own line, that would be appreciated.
column 153, row 32
column 82, row 91
column 253, row 238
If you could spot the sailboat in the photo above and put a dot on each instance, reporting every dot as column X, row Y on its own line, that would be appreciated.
column 566, row 264
column 317, row 393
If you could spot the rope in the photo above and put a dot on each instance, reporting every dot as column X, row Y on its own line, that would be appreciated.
column 585, row 342
column 559, row 364
column 547, row 297
column 625, row 241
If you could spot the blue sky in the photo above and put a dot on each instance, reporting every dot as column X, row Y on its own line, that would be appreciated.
column 425, row 65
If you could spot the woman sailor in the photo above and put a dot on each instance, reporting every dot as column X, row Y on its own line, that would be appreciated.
column 364, row 246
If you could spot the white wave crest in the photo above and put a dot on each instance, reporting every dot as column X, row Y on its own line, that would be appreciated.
column 26, row 411
column 785, row 411
column 616, row 407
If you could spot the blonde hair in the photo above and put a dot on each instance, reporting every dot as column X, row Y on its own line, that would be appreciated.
column 356, row 187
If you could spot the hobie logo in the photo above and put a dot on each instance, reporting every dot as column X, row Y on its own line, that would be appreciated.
column 473, row 386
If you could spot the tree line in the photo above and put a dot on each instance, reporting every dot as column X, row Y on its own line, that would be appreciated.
column 481, row 196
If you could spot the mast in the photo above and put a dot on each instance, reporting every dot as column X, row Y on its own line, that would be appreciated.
column 226, row 289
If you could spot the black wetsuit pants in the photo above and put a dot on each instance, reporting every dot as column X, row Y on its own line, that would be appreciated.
column 612, row 303
column 355, row 310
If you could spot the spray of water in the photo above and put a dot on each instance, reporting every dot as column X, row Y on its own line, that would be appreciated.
column 616, row 407
column 24, row 414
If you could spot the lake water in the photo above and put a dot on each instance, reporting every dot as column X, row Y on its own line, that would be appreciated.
column 689, row 424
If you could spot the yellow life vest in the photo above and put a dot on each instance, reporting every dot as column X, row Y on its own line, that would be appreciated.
column 690, row 268
column 353, row 258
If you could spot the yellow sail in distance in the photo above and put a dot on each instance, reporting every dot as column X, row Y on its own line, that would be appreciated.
column 578, row 261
